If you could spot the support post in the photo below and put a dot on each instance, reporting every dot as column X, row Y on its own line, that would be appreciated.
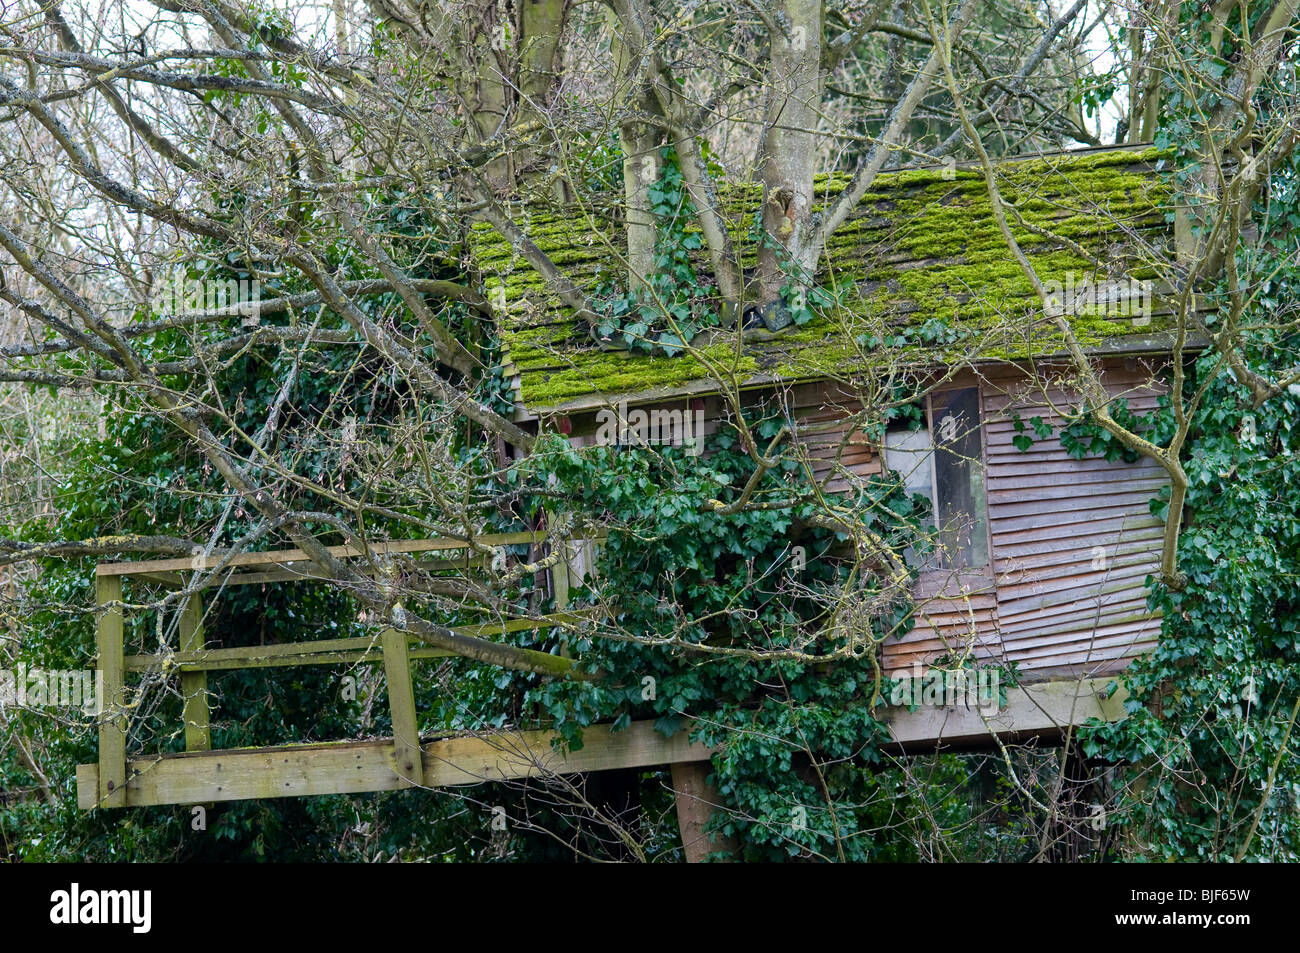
column 194, row 685
column 561, row 577
column 112, row 719
column 696, row 799
column 407, row 759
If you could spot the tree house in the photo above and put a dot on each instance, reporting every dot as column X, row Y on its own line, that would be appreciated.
column 1049, row 553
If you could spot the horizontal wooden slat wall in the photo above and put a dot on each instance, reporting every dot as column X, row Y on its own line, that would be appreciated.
column 1049, row 604
column 1044, row 604
column 963, row 627
column 838, row 455
column 1073, row 540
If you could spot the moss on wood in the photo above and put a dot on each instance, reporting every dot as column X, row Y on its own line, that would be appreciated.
column 922, row 244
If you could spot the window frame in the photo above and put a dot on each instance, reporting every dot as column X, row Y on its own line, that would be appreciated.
column 955, row 582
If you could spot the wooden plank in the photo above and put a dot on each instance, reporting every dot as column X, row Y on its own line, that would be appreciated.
column 111, row 781
column 1013, row 547
column 1047, row 453
column 1015, row 478
column 360, row 766
column 1080, row 621
column 1004, row 514
column 172, row 580
column 1135, row 389
column 1082, row 585
column 307, row 573
column 1103, row 590
column 1101, row 642
column 1003, row 413
column 1112, row 622
column 351, row 651
column 1014, row 580
column 1092, row 661
column 1063, row 493
column 1117, row 618
column 214, row 776
column 561, row 577
column 1042, row 707
column 194, row 684
column 401, row 704
column 953, row 611
column 962, row 587
column 1062, row 561
column 1026, row 535
column 280, row 556
column 900, row 656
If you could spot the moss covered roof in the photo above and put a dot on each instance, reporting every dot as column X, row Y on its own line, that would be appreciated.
column 922, row 244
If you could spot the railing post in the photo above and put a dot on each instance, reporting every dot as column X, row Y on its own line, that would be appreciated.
column 112, row 720
column 560, row 575
column 194, row 685
column 407, row 759
column 561, row 580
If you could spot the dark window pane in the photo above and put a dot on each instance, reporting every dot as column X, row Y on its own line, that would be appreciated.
column 959, row 479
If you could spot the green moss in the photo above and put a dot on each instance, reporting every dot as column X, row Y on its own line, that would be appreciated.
column 620, row 372
column 921, row 244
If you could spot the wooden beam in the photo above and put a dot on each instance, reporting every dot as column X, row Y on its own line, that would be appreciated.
column 359, row 766
column 351, row 651
column 276, row 558
column 194, row 683
column 110, row 787
column 209, row 661
column 407, row 759
column 561, row 581
column 172, row 580
column 306, row 573
column 560, row 576
column 1042, row 709
column 1036, row 709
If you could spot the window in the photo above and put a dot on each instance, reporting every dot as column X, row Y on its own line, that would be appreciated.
column 945, row 464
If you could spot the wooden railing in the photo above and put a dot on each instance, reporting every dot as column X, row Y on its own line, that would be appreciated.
column 194, row 660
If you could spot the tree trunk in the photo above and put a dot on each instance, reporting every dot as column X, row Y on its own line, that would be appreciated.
column 640, row 144
column 790, row 144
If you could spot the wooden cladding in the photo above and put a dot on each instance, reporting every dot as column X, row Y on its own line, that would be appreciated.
column 1073, row 540
column 1072, row 543
column 837, row 453
column 1060, row 588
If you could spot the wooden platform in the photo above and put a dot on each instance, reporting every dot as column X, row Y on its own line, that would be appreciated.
column 352, row 767
column 203, row 776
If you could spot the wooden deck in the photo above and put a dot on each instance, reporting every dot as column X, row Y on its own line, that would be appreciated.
column 200, row 775
column 1043, row 710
